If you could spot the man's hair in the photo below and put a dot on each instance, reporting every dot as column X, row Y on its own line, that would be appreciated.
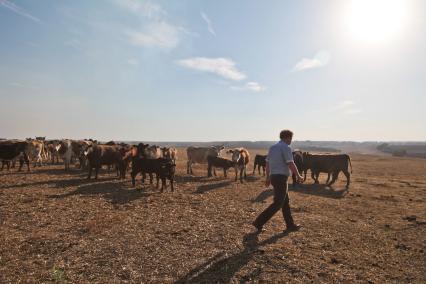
column 284, row 134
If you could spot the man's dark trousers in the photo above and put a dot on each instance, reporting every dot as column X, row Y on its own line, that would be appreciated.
column 281, row 201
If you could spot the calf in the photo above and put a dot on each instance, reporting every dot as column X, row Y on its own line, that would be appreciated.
column 163, row 169
column 218, row 162
column 259, row 161
column 241, row 158
column 198, row 155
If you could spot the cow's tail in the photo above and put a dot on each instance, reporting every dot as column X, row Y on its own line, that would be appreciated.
column 349, row 158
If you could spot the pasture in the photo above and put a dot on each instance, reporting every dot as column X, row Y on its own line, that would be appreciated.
column 56, row 226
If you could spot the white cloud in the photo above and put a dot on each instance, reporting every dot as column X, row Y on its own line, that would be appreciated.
column 156, row 34
column 347, row 107
column 146, row 9
column 353, row 111
column 319, row 60
column 74, row 43
column 18, row 10
column 132, row 61
column 343, row 105
column 209, row 23
column 250, row 86
column 221, row 66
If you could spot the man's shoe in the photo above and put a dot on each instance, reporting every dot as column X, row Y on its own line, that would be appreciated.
column 293, row 228
column 259, row 229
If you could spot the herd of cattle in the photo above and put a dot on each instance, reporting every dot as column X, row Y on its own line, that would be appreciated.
column 161, row 161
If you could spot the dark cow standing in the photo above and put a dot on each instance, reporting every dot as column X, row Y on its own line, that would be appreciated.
column 218, row 162
column 142, row 162
column 259, row 161
column 298, row 161
column 328, row 163
column 98, row 155
column 10, row 150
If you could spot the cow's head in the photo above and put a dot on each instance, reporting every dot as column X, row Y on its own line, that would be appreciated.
column 165, row 151
column 89, row 150
column 218, row 149
column 236, row 154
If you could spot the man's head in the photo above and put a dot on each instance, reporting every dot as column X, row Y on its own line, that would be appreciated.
column 286, row 136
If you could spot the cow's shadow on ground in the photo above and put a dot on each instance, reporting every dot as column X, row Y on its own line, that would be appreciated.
column 207, row 187
column 222, row 268
column 117, row 193
column 319, row 190
column 312, row 189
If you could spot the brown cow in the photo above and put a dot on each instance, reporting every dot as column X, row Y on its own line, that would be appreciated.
column 169, row 153
column 241, row 157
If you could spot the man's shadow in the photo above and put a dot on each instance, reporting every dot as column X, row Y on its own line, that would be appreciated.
column 221, row 268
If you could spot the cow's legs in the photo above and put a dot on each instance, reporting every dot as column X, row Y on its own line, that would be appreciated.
column 214, row 171
column 314, row 176
column 245, row 172
column 224, row 172
column 209, row 170
column 27, row 161
column 328, row 178
column 171, row 184
column 188, row 167
column 236, row 173
column 254, row 169
column 241, row 174
column 158, row 181
column 133, row 175
column 96, row 171
column 335, row 176
column 89, row 175
column 348, row 178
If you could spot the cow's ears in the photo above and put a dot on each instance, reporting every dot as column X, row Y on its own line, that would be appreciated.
column 241, row 151
column 230, row 151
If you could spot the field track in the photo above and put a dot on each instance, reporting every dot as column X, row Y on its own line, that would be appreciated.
column 59, row 227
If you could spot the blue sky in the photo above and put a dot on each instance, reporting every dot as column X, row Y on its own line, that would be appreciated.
column 212, row 70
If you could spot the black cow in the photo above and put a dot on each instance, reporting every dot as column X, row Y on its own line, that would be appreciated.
column 98, row 155
column 163, row 168
column 218, row 162
column 259, row 161
column 328, row 163
column 10, row 150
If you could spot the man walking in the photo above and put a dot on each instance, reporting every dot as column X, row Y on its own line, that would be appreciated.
column 278, row 165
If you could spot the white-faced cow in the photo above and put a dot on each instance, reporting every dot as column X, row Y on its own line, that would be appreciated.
column 241, row 158
column 169, row 153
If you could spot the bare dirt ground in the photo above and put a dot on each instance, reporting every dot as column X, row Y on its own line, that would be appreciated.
column 59, row 227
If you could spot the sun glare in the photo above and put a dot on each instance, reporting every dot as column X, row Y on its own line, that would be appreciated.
column 375, row 21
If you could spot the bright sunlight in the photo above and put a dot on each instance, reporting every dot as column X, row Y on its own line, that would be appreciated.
column 375, row 21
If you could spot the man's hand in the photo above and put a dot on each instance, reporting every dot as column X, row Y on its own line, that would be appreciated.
column 300, row 179
column 267, row 181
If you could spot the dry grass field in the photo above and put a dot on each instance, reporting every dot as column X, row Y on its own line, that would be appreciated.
column 59, row 227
